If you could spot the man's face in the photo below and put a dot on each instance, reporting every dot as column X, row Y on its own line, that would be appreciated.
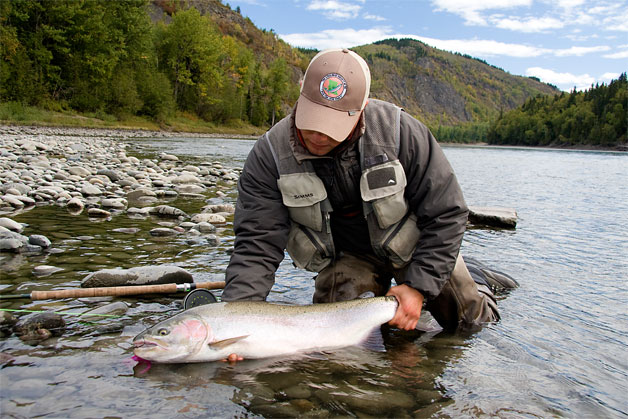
column 318, row 143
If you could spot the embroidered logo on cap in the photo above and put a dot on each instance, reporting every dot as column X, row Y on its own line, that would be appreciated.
column 333, row 86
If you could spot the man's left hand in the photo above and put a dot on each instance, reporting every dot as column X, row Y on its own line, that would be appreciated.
column 410, row 305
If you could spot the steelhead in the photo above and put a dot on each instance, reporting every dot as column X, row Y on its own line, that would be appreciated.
column 259, row 329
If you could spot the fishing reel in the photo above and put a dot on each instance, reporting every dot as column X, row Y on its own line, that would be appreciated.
column 198, row 297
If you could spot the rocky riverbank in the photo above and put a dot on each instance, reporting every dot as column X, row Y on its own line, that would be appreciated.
column 93, row 172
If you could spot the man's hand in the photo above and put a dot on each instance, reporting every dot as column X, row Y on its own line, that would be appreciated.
column 233, row 358
column 410, row 305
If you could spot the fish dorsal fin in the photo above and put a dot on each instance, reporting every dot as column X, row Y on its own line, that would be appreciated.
column 374, row 341
column 219, row 344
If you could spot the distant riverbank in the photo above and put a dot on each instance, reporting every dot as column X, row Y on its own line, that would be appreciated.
column 21, row 115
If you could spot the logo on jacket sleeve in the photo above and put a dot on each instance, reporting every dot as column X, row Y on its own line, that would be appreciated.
column 333, row 86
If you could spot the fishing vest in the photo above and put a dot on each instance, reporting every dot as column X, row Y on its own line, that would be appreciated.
column 392, row 227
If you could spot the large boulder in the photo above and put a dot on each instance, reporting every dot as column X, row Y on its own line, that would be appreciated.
column 493, row 216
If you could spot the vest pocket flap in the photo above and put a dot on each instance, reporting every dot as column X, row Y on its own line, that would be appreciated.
column 301, row 189
column 382, row 181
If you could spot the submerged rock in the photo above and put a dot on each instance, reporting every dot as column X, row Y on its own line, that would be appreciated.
column 37, row 327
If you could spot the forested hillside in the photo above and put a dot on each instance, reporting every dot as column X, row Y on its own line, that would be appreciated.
column 199, row 58
column 596, row 117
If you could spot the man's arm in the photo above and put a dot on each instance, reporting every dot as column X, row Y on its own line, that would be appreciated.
column 436, row 198
column 261, row 227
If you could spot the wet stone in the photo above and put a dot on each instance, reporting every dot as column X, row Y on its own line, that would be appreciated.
column 44, row 270
column 143, row 275
column 39, row 326
column 39, row 240
column 163, row 232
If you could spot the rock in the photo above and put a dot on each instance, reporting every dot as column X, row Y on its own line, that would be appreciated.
column 140, row 193
column 111, row 174
column 39, row 240
column 205, row 227
column 11, row 225
column 186, row 178
column 493, row 216
column 208, row 218
column 79, row 171
column 75, row 204
column 168, row 211
column 44, row 270
column 190, row 189
column 116, row 203
column 98, row 213
column 143, row 275
column 39, row 326
column 114, row 309
column 170, row 157
column 163, row 232
column 216, row 208
column 7, row 321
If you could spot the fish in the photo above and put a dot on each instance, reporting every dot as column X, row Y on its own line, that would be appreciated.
column 257, row 329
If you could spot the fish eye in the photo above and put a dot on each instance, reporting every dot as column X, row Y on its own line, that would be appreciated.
column 163, row 332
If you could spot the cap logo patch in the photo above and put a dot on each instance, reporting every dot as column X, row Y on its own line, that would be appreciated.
column 333, row 86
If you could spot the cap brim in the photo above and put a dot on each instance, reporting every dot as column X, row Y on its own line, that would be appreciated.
column 314, row 117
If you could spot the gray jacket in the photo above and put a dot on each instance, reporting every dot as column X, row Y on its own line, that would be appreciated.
column 262, row 222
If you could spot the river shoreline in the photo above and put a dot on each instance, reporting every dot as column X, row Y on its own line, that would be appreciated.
column 122, row 132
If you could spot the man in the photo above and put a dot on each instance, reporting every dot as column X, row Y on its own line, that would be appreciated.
column 360, row 192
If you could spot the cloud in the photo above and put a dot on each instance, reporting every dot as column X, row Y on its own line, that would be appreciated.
column 335, row 10
column 579, row 51
column 470, row 10
column 528, row 25
column 565, row 81
column 376, row 18
column 346, row 38
column 337, row 38
column 618, row 55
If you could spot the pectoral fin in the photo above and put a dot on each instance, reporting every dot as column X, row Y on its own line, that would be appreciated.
column 220, row 344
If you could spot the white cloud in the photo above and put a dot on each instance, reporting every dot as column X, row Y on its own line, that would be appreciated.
column 565, row 81
column 376, row 18
column 470, row 9
column 528, row 25
column 335, row 10
column 618, row 55
column 337, row 38
column 482, row 47
column 579, row 51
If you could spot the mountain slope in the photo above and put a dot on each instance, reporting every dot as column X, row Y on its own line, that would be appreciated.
column 438, row 87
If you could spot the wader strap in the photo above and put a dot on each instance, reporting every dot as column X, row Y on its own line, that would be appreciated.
column 273, row 152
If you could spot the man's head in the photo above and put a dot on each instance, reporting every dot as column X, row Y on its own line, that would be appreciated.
column 334, row 93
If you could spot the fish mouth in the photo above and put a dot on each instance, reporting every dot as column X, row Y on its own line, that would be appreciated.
column 145, row 344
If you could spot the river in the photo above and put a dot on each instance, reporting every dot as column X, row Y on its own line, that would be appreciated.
column 560, row 350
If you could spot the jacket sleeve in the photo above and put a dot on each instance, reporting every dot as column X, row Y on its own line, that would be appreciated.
column 436, row 198
column 261, row 227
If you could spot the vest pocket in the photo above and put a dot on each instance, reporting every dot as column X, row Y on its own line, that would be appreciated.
column 400, row 244
column 311, row 216
column 306, row 251
column 389, row 210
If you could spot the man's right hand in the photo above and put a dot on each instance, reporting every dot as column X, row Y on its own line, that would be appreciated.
column 233, row 358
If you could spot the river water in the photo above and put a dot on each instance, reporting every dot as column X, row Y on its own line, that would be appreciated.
column 560, row 350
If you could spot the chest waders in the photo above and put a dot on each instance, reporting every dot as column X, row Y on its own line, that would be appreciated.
column 392, row 227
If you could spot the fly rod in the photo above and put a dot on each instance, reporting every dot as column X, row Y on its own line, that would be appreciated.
column 115, row 291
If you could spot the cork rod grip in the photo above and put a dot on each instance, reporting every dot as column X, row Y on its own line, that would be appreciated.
column 126, row 290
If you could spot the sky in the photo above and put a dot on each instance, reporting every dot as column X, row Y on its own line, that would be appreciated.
column 568, row 43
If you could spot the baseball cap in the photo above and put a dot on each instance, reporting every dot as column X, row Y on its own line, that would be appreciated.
column 334, row 92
